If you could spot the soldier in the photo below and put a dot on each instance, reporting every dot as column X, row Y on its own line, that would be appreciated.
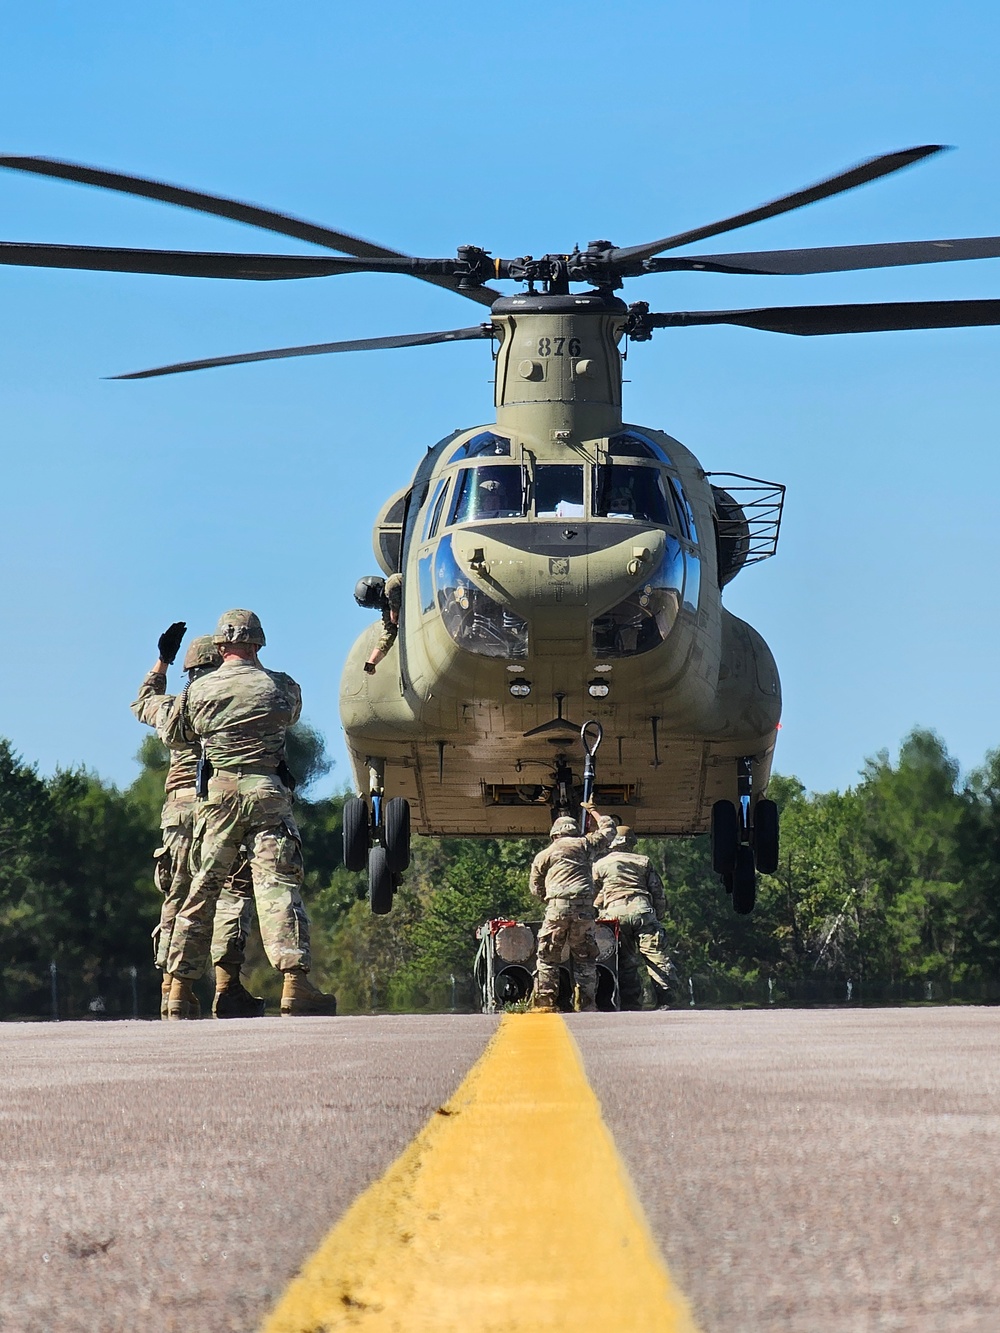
column 629, row 891
column 239, row 714
column 562, row 875
column 385, row 595
column 172, row 857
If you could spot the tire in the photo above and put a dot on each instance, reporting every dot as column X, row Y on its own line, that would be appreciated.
column 396, row 833
column 379, row 882
column 744, row 882
column 725, row 837
column 765, row 836
column 356, row 835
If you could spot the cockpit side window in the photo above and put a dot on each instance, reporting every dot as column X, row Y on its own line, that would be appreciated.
column 684, row 510
column 559, row 490
column 483, row 445
column 435, row 501
column 487, row 492
column 631, row 492
column 434, row 518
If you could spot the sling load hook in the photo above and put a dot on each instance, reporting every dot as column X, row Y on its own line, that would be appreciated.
column 591, row 735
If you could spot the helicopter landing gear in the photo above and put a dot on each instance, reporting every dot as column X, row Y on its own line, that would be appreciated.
column 380, row 882
column 357, row 835
column 744, row 881
column 741, row 849
column 765, row 836
column 378, row 835
column 396, row 834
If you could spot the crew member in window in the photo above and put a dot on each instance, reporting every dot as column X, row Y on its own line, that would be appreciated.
column 385, row 595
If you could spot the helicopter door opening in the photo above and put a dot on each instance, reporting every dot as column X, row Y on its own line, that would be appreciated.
column 559, row 490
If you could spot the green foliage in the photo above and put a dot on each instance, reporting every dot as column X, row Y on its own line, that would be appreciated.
column 893, row 884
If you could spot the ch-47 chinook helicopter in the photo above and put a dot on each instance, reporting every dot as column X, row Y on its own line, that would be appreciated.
column 558, row 563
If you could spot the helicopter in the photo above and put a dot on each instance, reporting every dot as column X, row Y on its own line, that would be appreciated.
column 558, row 563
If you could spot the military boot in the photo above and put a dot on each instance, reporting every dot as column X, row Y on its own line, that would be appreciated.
column 583, row 1001
column 164, row 994
column 663, row 996
column 232, row 999
column 300, row 998
column 544, row 1004
column 182, row 1001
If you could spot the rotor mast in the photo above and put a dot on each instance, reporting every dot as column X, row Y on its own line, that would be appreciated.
column 558, row 369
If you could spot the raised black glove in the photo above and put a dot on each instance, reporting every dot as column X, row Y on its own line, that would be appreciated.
column 170, row 640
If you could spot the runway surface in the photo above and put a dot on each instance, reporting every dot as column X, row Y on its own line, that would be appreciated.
column 806, row 1171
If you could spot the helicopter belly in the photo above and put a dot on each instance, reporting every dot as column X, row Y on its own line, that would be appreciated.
column 473, row 760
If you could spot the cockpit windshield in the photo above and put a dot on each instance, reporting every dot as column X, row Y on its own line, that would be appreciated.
column 633, row 444
column 484, row 445
column 621, row 491
column 488, row 492
column 559, row 490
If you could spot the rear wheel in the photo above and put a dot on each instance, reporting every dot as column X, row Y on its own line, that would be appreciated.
column 396, row 834
column 744, row 882
column 379, row 882
column 725, row 837
column 356, row 835
column 765, row 836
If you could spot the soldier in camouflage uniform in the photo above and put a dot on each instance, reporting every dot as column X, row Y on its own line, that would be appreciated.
column 562, row 875
column 172, row 857
column 239, row 714
column 629, row 891
column 385, row 595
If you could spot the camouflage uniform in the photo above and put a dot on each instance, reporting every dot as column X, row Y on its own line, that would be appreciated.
column 562, row 875
column 392, row 600
column 172, row 859
column 241, row 713
column 629, row 891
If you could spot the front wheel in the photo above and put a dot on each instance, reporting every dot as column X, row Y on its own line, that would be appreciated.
column 725, row 837
column 744, row 882
column 765, row 836
column 379, row 882
column 396, row 834
column 356, row 834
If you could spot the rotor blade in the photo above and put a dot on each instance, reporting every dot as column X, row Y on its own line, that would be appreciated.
column 834, row 258
column 252, row 214
column 318, row 349
column 185, row 263
column 819, row 319
column 846, row 180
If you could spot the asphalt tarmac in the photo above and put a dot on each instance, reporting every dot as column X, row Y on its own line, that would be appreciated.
column 817, row 1171
column 814, row 1171
column 168, row 1177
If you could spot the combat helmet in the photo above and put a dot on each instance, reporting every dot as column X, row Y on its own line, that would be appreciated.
column 564, row 827
column 624, row 839
column 239, row 626
column 369, row 591
column 202, row 652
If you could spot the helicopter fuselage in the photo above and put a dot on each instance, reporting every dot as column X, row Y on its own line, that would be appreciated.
column 559, row 566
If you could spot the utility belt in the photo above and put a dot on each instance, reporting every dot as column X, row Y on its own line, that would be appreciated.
column 208, row 771
column 630, row 903
column 576, row 901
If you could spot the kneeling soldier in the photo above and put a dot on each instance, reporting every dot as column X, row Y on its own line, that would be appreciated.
column 562, row 875
column 629, row 891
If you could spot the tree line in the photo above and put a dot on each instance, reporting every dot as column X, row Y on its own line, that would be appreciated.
column 889, row 890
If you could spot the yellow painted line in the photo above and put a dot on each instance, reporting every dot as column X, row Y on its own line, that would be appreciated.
column 510, row 1210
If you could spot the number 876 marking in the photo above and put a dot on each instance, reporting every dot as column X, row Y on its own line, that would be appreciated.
column 559, row 347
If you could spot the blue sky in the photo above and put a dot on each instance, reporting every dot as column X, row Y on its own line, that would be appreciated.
column 523, row 129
